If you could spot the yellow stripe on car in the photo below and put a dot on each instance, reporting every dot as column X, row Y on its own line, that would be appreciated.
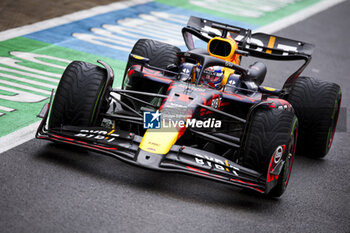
column 112, row 131
column 269, row 88
column 271, row 44
column 226, row 163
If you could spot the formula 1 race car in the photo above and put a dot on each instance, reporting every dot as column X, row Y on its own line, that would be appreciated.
column 199, row 112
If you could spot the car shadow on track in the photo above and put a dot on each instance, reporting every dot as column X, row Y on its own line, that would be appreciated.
column 183, row 187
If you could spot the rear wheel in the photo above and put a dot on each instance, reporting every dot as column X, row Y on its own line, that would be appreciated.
column 271, row 138
column 160, row 55
column 78, row 95
column 317, row 105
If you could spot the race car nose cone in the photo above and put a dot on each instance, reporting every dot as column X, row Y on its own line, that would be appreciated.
column 148, row 159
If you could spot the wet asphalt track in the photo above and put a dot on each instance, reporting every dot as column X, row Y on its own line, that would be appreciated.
column 50, row 188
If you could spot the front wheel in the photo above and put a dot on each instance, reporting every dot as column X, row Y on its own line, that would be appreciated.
column 78, row 95
column 269, row 146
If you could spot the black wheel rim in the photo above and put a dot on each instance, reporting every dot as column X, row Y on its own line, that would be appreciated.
column 290, row 158
column 334, row 122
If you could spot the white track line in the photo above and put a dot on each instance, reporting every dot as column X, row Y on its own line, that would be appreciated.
column 27, row 133
column 18, row 137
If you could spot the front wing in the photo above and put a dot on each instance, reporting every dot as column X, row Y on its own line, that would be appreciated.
column 125, row 146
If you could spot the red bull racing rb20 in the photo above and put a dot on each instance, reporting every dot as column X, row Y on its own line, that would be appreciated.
column 200, row 111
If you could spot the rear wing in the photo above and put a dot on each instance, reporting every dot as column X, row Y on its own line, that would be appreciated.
column 257, row 44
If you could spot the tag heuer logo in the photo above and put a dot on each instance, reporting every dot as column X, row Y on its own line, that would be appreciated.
column 151, row 120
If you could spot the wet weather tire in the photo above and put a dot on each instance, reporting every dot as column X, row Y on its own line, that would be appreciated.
column 317, row 105
column 160, row 55
column 78, row 95
column 268, row 130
